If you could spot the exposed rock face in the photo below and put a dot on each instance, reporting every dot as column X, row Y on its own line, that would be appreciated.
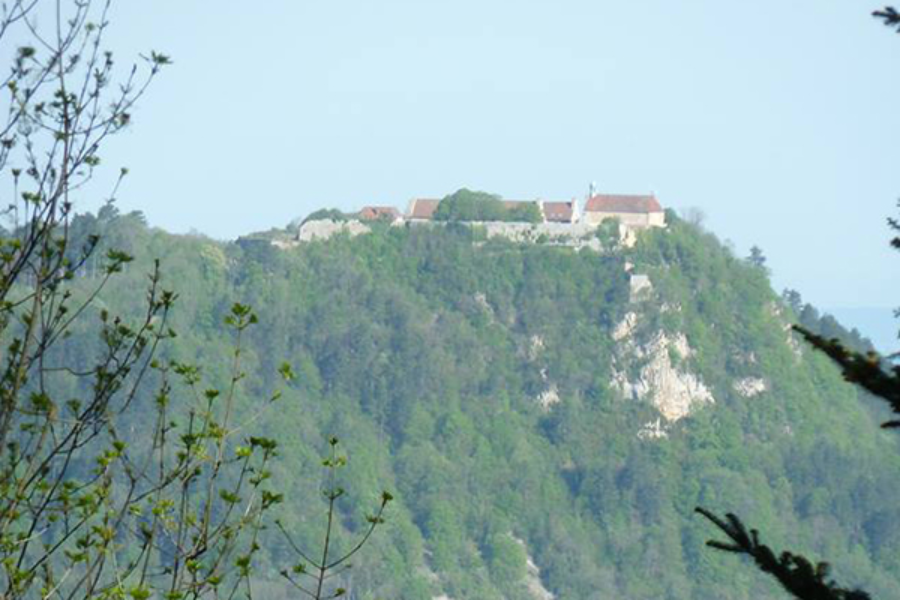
column 674, row 392
column 549, row 398
column 750, row 386
column 776, row 311
column 482, row 301
column 324, row 229
column 792, row 342
column 640, row 287
column 533, row 582
column 680, row 343
column 285, row 244
column 624, row 329
column 665, row 307
column 653, row 430
column 535, row 347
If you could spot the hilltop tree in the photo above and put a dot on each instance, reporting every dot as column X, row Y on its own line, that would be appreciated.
column 468, row 205
column 756, row 257
column 793, row 299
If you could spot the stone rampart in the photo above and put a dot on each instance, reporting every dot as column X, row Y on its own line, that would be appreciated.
column 324, row 229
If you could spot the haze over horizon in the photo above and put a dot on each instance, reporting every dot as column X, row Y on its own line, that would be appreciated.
column 776, row 120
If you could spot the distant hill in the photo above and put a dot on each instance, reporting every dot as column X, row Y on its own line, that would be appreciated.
column 546, row 418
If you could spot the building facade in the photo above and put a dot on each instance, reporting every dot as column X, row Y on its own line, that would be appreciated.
column 635, row 211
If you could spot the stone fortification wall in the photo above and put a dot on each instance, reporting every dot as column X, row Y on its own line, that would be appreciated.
column 530, row 232
column 576, row 235
column 636, row 220
column 564, row 234
column 324, row 229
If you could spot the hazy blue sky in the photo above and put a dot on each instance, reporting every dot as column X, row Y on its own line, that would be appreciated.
column 778, row 119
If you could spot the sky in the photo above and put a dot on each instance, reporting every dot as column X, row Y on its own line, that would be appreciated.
column 776, row 119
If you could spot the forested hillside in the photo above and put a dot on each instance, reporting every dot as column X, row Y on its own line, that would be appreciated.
column 545, row 427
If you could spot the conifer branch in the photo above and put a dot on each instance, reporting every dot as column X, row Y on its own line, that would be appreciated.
column 889, row 15
column 794, row 572
column 864, row 370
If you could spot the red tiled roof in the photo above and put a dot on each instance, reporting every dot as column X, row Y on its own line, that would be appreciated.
column 622, row 203
column 423, row 208
column 372, row 213
column 558, row 212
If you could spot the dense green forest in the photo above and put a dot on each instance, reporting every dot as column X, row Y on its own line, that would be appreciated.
column 476, row 380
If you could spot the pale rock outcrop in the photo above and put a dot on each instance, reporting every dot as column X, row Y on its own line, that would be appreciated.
column 639, row 288
column 624, row 329
column 653, row 430
column 535, row 347
column 794, row 345
column 533, row 582
column 283, row 244
column 750, row 386
column 326, row 228
column 776, row 311
column 792, row 342
column 482, row 301
column 549, row 398
column 674, row 392
column 680, row 343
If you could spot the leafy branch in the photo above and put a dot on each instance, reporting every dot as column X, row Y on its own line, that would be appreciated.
column 325, row 568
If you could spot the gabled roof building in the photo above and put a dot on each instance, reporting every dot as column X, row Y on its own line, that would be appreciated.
column 637, row 211
column 379, row 213
column 632, row 210
column 560, row 212
column 422, row 209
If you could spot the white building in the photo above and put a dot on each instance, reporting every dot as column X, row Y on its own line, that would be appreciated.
column 633, row 211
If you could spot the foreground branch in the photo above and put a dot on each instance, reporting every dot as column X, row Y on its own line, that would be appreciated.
column 794, row 572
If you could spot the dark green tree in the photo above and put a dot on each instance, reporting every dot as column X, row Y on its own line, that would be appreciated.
column 756, row 257
column 468, row 205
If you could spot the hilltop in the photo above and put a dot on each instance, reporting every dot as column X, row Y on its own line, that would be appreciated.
column 547, row 417
column 571, row 223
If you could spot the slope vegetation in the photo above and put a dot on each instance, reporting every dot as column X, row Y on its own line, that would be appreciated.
column 547, row 419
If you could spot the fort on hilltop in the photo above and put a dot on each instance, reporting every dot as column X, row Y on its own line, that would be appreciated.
column 569, row 221
column 633, row 210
